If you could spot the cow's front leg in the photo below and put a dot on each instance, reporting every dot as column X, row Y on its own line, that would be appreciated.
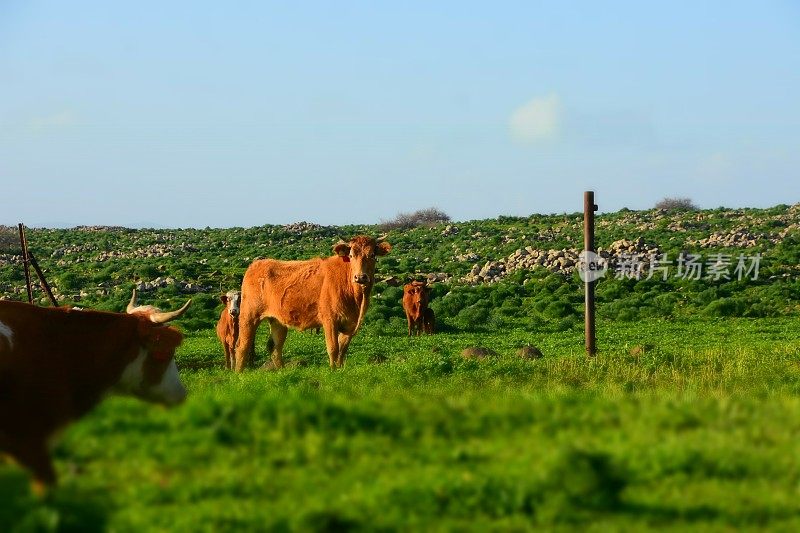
column 278, row 333
column 245, row 346
column 344, row 344
column 229, row 356
column 332, row 343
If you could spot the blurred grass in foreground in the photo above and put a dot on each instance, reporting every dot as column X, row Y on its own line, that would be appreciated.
column 700, row 431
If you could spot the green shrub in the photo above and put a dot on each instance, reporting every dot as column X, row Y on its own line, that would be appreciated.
column 558, row 309
column 725, row 307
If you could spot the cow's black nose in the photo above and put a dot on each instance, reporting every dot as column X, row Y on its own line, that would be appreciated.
column 361, row 278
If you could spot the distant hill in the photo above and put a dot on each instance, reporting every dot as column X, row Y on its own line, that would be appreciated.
column 503, row 269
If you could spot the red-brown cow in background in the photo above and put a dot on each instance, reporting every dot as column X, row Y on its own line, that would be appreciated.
column 332, row 293
column 228, row 325
column 415, row 304
column 56, row 364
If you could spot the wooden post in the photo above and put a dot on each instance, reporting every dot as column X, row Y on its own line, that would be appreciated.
column 28, row 260
column 589, row 208
column 24, row 245
column 43, row 281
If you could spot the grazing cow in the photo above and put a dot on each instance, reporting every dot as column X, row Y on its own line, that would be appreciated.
column 415, row 303
column 332, row 293
column 56, row 364
column 156, row 315
column 429, row 321
column 228, row 325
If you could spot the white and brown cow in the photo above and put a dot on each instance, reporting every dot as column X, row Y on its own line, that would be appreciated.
column 228, row 325
column 56, row 364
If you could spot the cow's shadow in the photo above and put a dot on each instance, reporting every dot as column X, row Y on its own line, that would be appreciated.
column 59, row 510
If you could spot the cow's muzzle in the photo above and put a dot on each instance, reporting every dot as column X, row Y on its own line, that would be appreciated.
column 361, row 279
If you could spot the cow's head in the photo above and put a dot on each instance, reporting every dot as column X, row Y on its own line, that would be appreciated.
column 416, row 294
column 154, row 314
column 153, row 375
column 232, row 300
column 361, row 253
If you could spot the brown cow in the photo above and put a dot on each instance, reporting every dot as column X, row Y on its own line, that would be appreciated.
column 156, row 315
column 415, row 303
column 332, row 293
column 56, row 364
column 228, row 325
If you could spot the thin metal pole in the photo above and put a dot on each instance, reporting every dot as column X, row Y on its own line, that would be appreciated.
column 589, row 208
column 24, row 245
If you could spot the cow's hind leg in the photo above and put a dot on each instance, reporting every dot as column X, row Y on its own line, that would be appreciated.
column 277, row 333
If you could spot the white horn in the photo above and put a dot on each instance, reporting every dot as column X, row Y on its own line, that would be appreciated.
column 161, row 317
column 132, row 303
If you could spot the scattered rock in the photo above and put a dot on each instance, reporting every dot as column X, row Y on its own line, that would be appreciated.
column 377, row 358
column 101, row 229
column 640, row 349
column 478, row 352
column 450, row 229
column 185, row 287
column 469, row 256
column 270, row 366
column 438, row 277
column 563, row 261
column 736, row 238
column 300, row 228
column 529, row 352
column 10, row 259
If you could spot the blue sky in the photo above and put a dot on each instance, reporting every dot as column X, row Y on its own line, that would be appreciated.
column 236, row 114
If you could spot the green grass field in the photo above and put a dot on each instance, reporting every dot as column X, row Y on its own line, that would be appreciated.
column 700, row 431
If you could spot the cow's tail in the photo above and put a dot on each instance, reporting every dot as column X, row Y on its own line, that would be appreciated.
column 270, row 346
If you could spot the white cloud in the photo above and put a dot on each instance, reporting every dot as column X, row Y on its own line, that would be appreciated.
column 715, row 168
column 60, row 119
column 536, row 121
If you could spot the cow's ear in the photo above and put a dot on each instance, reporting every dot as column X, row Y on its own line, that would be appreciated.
column 341, row 249
column 383, row 248
column 224, row 299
